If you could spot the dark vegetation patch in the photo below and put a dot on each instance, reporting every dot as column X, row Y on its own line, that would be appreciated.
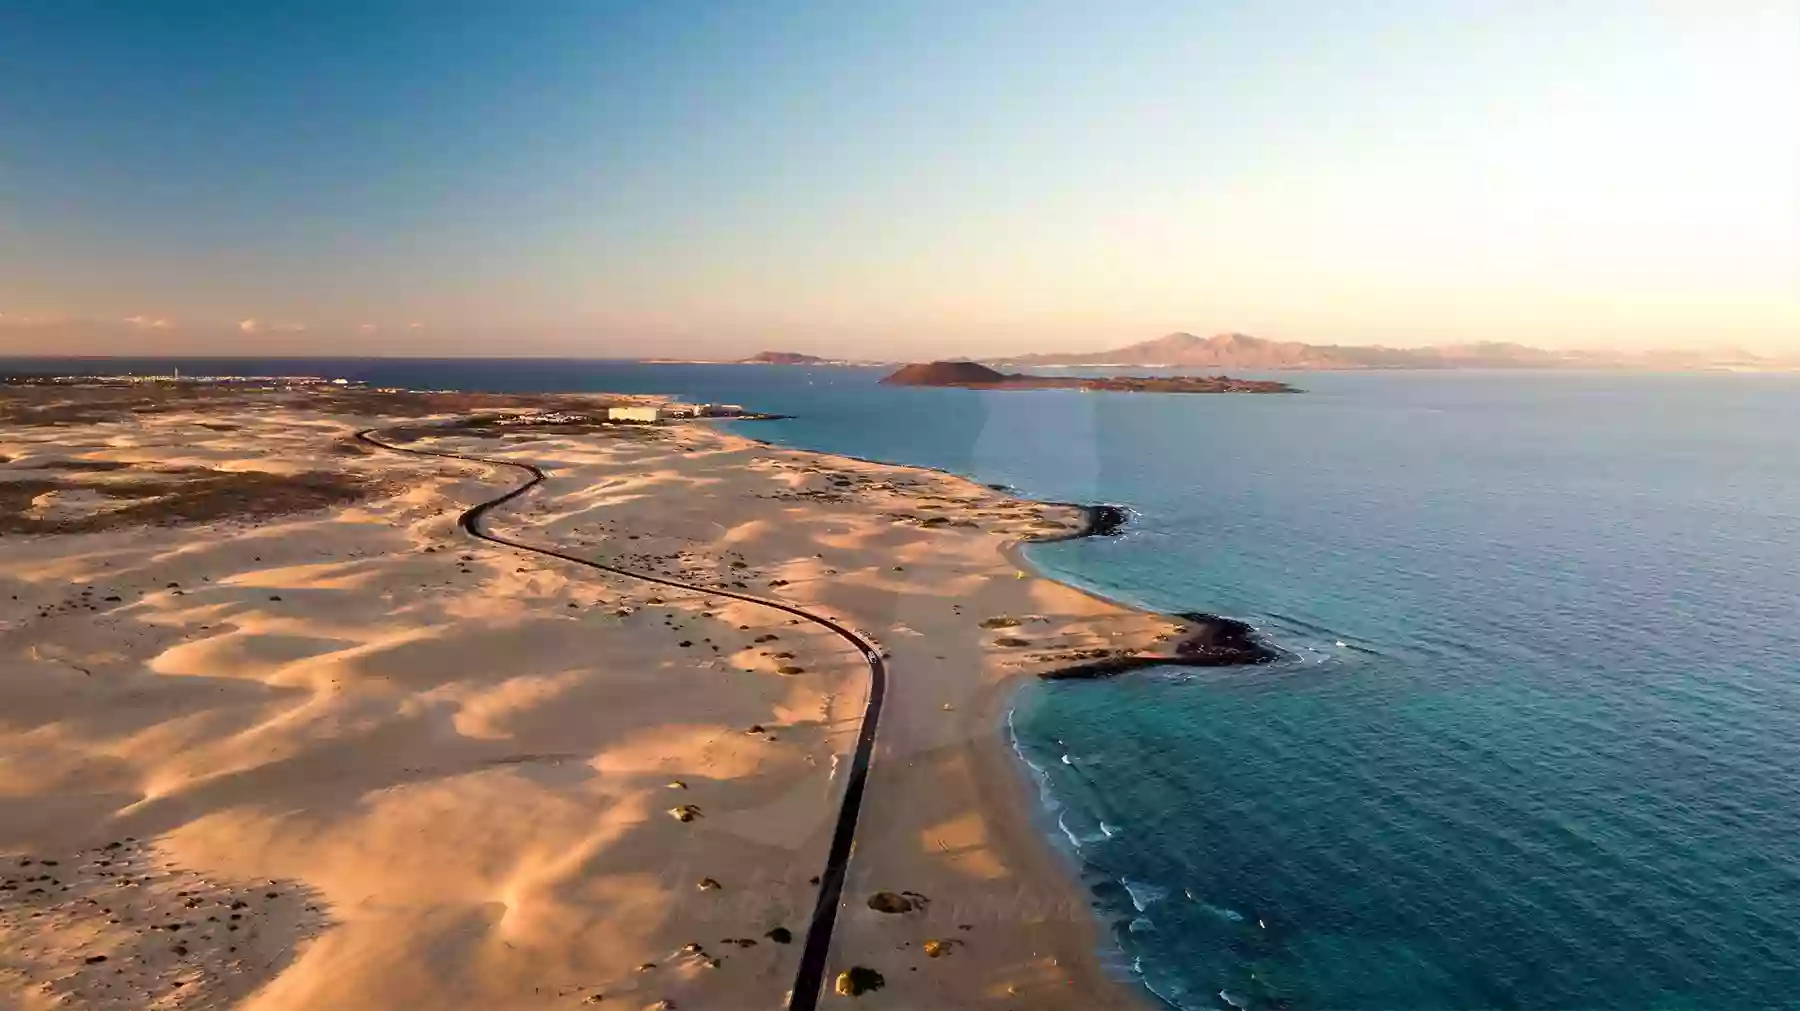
column 38, row 405
column 39, row 401
column 85, row 466
column 480, row 410
column 499, row 426
column 191, row 495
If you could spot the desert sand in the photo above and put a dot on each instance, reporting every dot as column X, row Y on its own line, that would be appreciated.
column 276, row 734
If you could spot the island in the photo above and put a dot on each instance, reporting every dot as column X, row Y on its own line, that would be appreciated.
column 973, row 375
column 782, row 358
column 797, row 358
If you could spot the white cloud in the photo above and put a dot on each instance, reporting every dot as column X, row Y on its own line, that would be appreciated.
column 415, row 326
column 367, row 327
column 150, row 322
column 254, row 325
column 15, row 320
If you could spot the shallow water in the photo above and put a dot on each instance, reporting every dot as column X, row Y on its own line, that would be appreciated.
column 1536, row 741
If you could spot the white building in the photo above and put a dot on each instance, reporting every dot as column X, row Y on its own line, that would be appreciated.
column 639, row 415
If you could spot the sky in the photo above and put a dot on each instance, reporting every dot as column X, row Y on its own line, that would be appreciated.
column 894, row 179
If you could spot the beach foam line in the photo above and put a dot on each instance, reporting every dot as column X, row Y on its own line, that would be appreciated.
column 1143, row 894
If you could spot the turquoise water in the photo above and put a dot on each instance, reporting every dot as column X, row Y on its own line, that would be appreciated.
column 1554, row 764
column 1536, row 742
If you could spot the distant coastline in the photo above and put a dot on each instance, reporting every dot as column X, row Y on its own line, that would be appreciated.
column 971, row 375
column 1243, row 351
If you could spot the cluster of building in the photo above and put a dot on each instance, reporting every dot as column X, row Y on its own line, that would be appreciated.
column 650, row 414
column 177, row 377
column 547, row 418
column 635, row 414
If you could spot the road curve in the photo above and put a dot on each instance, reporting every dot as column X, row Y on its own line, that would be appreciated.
column 809, row 979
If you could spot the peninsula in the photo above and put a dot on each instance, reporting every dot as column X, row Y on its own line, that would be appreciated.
column 972, row 375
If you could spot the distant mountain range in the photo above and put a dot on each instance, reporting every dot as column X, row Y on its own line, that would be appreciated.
column 1242, row 351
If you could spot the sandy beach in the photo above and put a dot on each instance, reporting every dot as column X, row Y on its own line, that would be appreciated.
column 276, row 734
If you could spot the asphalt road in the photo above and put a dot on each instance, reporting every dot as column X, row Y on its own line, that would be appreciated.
column 809, row 979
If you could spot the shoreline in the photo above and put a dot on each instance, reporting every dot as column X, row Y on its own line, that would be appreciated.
column 1021, row 820
column 1099, row 975
column 1220, row 641
column 1015, row 799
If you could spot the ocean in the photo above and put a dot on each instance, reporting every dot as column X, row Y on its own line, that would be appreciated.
column 1535, row 742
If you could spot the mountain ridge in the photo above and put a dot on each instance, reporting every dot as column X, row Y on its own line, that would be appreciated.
column 1240, row 350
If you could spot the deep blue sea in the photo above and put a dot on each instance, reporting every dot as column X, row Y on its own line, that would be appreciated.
column 1537, row 742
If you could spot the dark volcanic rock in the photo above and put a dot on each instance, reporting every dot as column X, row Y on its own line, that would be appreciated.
column 944, row 374
column 901, row 902
column 1228, row 640
column 1211, row 641
column 889, row 902
column 1105, row 520
column 858, row 980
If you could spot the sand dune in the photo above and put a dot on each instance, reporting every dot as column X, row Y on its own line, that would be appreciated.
column 455, row 764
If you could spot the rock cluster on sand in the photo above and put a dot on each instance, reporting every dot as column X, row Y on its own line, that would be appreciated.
column 858, row 980
column 116, row 927
column 897, row 902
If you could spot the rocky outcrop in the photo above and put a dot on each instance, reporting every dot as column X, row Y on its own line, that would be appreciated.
column 944, row 374
column 1210, row 641
column 897, row 902
column 858, row 980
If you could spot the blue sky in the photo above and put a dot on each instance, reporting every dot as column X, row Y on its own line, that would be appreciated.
column 895, row 178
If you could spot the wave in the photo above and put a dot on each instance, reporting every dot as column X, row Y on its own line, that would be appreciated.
column 1046, row 796
column 1303, row 625
column 1219, row 911
column 1074, row 840
column 1143, row 894
column 1080, row 841
column 1173, row 998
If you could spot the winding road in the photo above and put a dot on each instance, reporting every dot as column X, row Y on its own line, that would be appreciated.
column 809, row 979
